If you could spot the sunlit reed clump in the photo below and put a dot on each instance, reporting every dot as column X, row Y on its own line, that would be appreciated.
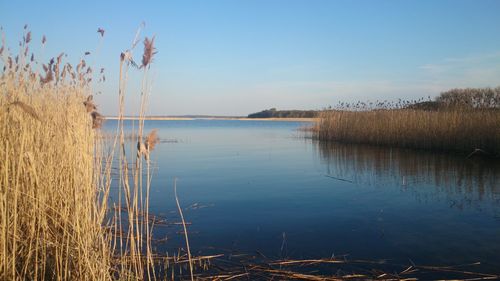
column 459, row 120
column 51, row 220
column 57, row 219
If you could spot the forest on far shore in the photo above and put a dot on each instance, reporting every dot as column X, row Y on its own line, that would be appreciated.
column 273, row 113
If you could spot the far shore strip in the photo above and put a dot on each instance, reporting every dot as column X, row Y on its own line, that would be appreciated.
column 216, row 118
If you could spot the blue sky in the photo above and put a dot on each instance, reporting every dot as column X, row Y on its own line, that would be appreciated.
column 234, row 57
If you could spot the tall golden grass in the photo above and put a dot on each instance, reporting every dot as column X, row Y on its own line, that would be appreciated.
column 449, row 129
column 55, row 218
column 51, row 217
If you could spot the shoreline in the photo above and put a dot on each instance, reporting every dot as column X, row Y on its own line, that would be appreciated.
column 215, row 118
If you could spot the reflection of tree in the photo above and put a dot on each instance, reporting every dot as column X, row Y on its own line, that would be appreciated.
column 428, row 175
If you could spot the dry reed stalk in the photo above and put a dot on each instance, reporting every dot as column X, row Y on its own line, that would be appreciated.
column 137, row 245
column 185, row 230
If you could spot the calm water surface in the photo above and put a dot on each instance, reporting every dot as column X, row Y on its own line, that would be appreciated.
column 261, row 186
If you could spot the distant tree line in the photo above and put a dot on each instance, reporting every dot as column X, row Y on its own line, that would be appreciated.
column 471, row 97
column 468, row 98
column 273, row 113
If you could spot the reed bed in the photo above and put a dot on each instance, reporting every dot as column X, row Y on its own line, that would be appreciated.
column 50, row 216
column 57, row 219
column 449, row 129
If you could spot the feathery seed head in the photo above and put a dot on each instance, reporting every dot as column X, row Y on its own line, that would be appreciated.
column 149, row 51
column 28, row 37
column 152, row 139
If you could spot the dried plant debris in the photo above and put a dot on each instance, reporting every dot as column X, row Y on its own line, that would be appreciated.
column 26, row 108
column 97, row 120
column 91, row 107
column 89, row 104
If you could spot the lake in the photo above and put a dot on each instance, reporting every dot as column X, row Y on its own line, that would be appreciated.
column 264, row 186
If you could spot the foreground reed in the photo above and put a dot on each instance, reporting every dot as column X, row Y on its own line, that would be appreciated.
column 50, row 216
column 450, row 129
column 57, row 219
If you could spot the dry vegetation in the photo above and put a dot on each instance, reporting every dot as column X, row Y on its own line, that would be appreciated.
column 50, row 216
column 450, row 123
column 55, row 222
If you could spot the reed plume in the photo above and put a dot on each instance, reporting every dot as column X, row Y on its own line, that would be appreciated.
column 152, row 139
column 89, row 104
column 28, row 38
column 97, row 120
column 149, row 51
column 100, row 31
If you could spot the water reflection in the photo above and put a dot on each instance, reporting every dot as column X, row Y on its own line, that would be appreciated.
column 464, row 182
column 244, row 184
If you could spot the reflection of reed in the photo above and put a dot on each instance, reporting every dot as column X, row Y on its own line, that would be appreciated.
column 467, row 181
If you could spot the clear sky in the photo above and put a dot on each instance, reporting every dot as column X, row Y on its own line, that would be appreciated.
column 234, row 57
